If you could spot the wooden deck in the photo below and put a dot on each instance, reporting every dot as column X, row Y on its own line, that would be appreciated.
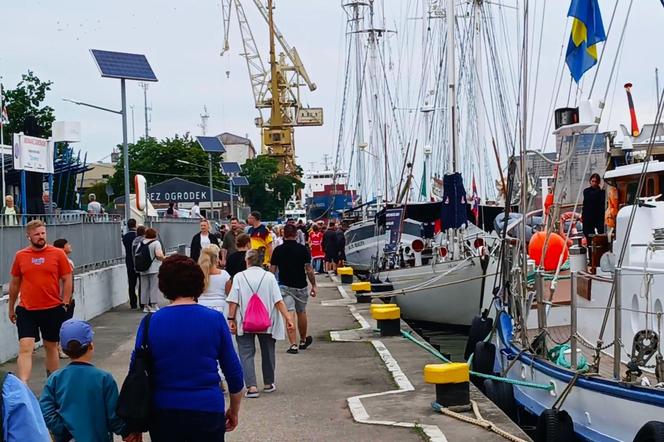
column 562, row 333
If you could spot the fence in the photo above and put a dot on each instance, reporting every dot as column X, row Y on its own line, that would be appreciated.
column 96, row 240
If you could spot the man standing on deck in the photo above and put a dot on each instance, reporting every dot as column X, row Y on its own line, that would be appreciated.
column 293, row 261
column 261, row 239
column 36, row 273
column 127, row 241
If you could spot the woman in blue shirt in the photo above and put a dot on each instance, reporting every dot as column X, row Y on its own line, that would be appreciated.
column 186, row 341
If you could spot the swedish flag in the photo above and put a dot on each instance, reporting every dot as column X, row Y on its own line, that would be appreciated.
column 587, row 31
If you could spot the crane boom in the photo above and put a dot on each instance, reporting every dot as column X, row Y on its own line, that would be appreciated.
column 291, row 52
column 226, row 18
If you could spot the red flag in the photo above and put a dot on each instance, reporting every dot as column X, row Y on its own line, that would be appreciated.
column 476, row 203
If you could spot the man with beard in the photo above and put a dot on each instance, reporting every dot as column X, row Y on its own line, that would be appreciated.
column 36, row 273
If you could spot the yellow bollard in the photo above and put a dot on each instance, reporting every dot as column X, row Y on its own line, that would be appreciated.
column 451, row 381
column 388, row 319
column 346, row 274
column 361, row 290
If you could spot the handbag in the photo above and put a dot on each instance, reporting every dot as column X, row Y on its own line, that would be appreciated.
column 135, row 400
column 256, row 317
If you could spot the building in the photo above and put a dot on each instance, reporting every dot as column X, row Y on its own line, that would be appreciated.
column 96, row 173
column 238, row 149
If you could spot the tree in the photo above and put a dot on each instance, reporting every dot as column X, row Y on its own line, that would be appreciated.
column 157, row 161
column 26, row 99
column 267, row 191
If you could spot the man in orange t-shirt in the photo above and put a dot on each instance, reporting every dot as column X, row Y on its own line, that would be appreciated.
column 36, row 274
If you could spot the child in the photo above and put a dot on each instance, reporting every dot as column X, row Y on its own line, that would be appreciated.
column 78, row 401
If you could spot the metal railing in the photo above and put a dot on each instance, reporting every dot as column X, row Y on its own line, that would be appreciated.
column 75, row 217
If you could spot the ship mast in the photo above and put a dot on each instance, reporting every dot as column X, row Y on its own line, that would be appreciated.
column 452, row 165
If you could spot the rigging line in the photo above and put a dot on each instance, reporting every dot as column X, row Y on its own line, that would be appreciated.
column 601, row 55
column 539, row 58
column 344, row 105
column 588, row 156
column 619, row 56
column 555, row 91
column 502, row 102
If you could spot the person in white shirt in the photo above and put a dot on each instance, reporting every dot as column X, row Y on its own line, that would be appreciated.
column 94, row 208
column 264, row 284
column 217, row 281
column 196, row 210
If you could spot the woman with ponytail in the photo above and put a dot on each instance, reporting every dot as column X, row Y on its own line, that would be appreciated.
column 216, row 280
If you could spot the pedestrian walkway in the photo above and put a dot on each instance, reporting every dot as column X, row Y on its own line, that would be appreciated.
column 313, row 387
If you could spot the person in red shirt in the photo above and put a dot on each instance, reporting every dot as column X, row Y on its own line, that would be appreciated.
column 316, row 244
column 36, row 273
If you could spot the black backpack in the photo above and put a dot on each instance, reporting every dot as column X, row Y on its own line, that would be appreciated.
column 142, row 257
column 135, row 400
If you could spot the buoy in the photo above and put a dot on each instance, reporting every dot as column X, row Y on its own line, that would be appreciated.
column 555, row 247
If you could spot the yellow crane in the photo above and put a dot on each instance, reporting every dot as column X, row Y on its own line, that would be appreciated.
column 276, row 88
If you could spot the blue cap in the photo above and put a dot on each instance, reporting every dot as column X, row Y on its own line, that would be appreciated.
column 75, row 330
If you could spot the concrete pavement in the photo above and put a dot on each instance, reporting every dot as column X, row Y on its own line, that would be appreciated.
column 313, row 387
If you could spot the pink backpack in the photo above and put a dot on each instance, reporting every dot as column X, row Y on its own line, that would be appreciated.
column 256, row 317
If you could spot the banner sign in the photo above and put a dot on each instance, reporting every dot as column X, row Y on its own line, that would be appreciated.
column 393, row 228
column 33, row 154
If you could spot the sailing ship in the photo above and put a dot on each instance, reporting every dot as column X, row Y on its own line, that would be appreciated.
column 583, row 346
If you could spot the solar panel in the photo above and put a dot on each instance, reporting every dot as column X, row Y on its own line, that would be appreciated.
column 240, row 181
column 211, row 144
column 123, row 65
column 230, row 168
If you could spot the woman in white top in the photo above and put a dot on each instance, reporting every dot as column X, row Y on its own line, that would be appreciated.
column 245, row 284
column 217, row 282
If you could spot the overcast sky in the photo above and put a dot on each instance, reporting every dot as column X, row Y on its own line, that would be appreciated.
column 182, row 41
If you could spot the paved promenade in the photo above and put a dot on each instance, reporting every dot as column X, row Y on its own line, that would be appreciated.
column 313, row 387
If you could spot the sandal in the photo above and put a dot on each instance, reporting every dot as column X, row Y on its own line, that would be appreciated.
column 252, row 394
column 306, row 343
column 270, row 388
column 293, row 349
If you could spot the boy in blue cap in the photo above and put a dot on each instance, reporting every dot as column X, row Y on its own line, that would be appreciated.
column 78, row 401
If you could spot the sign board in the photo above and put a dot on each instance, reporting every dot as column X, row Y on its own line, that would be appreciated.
column 33, row 154
column 69, row 131
column 393, row 228
column 309, row 116
column 177, row 190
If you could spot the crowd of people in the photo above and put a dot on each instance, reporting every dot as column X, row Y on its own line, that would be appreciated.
column 244, row 284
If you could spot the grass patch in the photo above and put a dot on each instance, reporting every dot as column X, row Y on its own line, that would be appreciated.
column 419, row 431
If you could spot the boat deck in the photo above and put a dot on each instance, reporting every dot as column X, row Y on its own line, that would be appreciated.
column 561, row 333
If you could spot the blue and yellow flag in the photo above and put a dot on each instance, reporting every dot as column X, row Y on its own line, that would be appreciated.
column 587, row 31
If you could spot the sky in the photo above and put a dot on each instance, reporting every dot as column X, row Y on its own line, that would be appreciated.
column 182, row 42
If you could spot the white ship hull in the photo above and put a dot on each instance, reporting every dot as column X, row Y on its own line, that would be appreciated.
column 451, row 304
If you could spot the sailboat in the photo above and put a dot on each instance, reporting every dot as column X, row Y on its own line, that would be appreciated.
column 584, row 346
column 440, row 272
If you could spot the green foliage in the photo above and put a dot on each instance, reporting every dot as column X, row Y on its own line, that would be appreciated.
column 26, row 99
column 268, row 192
column 157, row 161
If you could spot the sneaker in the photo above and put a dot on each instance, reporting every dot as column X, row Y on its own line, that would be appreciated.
column 154, row 308
column 270, row 388
column 61, row 354
column 293, row 349
column 306, row 343
column 252, row 394
column 146, row 309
